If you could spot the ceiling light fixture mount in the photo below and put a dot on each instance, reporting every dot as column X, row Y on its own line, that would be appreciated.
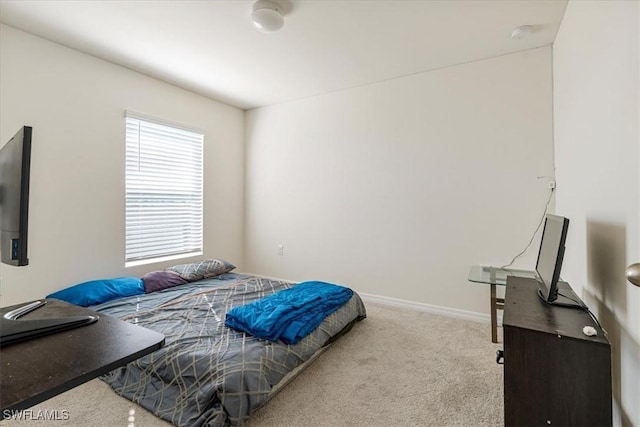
column 267, row 16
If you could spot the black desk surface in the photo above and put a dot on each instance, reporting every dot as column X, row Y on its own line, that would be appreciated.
column 35, row 370
column 523, row 308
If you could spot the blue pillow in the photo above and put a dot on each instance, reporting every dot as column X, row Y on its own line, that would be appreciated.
column 99, row 291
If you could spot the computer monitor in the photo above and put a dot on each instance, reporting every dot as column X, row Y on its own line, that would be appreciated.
column 549, row 263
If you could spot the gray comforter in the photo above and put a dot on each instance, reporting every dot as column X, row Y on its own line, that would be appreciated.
column 208, row 374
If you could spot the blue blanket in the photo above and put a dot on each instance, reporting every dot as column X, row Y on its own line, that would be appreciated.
column 291, row 314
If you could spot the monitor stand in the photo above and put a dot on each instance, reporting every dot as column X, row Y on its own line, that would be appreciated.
column 13, row 330
column 566, row 298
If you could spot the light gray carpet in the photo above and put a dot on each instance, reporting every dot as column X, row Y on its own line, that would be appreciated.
column 396, row 368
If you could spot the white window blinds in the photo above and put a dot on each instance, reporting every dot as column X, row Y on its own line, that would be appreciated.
column 163, row 191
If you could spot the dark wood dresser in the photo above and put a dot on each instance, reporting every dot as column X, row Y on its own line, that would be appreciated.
column 554, row 374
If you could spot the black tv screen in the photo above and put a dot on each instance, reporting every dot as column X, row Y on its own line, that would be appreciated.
column 550, row 255
column 15, row 165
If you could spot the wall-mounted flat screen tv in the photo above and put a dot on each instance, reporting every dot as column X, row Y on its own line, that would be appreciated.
column 15, row 165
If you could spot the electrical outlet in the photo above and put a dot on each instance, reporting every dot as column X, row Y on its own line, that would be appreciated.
column 552, row 184
column 280, row 250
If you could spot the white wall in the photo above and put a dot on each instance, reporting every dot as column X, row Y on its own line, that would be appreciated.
column 397, row 188
column 76, row 105
column 597, row 149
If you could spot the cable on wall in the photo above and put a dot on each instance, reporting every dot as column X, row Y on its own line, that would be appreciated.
column 546, row 208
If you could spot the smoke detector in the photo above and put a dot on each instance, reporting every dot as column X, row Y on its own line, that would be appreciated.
column 266, row 15
column 521, row 32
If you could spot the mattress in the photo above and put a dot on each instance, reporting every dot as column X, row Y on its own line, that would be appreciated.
column 208, row 374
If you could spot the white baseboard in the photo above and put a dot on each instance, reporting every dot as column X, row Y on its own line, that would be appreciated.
column 429, row 308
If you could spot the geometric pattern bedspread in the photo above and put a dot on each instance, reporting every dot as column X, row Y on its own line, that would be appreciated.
column 208, row 374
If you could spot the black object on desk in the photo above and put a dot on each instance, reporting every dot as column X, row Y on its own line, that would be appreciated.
column 35, row 370
column 13, row 329
column 554, row 374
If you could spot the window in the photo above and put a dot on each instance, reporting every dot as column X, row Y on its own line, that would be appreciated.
column 163, row 191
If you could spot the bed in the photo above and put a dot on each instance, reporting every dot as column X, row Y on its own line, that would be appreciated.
column 209, row 374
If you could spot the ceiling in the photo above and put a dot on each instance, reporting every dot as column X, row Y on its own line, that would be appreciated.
column 212, row 48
